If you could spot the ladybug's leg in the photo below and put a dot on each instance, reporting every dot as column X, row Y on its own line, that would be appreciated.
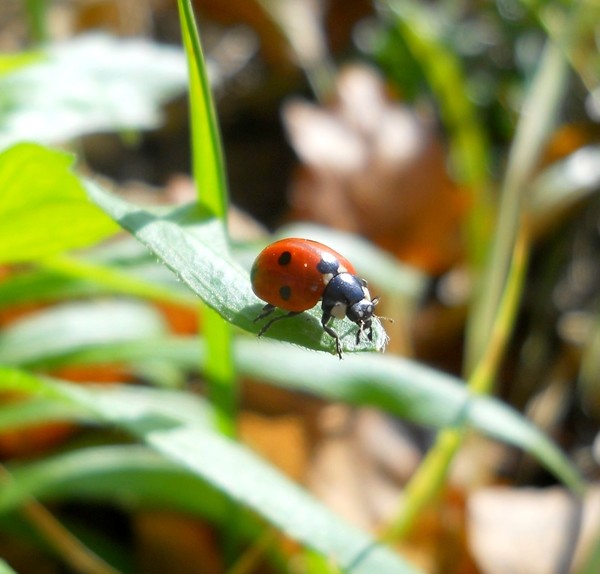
column 324, row 320
column 359, row 333
column 266, row 310
column 361, row 330
column 267, row 325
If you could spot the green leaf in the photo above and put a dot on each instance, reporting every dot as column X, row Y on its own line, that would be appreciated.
column 211, row 187
column 132, row 476
column 89, row 84
column 5, row 568
column 12, row 62
column 125, row 267
column 207, row 154
column 174, row 424
column 80, row 325
column 35, row 410
column 538, row 117
column 195, row 249
column 43, row 207
column 400, row 387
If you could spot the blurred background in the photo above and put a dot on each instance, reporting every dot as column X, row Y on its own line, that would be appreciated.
column 400, row 124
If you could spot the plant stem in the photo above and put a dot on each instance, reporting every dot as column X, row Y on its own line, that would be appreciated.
column 36, row 16
column 494, row 312
column 538, row 118
column 78, row 556
column 431, row 474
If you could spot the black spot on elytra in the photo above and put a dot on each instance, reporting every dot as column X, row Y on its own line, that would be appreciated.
column 284, row 258
column 328, row 267
column 285, row 292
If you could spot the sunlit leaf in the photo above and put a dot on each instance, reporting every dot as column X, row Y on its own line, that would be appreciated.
column 79, row 324
column 43, row 207
column 403, row 388
column 212, row 196
column 90, row 84
column 195, row 249
column 130, row 475
column 5, row 568
column 175, row 424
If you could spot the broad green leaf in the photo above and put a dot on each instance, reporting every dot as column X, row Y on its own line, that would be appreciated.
column 174, row 424
column 43, row 207
column 92, row 83
column 120, row 267
column 195, row 249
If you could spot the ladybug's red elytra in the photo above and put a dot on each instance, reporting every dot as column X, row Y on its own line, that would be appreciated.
column 295, row 274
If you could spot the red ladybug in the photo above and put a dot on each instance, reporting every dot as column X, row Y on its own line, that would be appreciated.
column 295, row 274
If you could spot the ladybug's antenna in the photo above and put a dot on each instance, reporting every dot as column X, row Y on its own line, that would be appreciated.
column 375, row 301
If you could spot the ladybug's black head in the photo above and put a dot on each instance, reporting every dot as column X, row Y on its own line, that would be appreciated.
column 361, row 312
column 347, row 296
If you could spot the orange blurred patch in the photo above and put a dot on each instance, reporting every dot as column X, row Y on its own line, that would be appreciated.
column 167, row 542
column 36, row 439
column 182, row 320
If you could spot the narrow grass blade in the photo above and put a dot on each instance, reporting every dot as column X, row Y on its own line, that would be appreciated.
column 172, row 424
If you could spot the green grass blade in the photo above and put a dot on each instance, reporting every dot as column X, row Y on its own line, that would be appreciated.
column 123, row 268
column 5, row 568
column 84, row 324
column 211, row 185
column 397, row 386
column 537, row 119
column 36, row 11
column 207, row 155
column 132, row 476
column 173, row 424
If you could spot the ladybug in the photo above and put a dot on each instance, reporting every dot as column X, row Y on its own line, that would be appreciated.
column 295, row 274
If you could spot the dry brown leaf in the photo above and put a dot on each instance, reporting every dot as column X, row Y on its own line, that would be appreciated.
column 280, row 439
column 168, row 542
column 526, row 531
column 374, row 167
column 361, row 464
